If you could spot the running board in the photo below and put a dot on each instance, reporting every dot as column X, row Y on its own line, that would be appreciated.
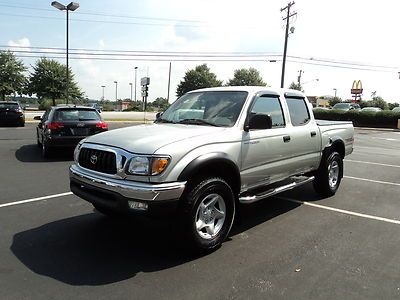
column 271, row 192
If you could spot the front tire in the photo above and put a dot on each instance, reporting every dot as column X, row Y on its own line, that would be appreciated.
column 329, row 174
column 207, row 213
column 46, row 152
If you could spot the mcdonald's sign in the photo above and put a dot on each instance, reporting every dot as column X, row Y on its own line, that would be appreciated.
column 357, row 87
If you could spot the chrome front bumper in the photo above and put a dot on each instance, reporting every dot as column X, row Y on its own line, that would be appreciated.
column 129, row 189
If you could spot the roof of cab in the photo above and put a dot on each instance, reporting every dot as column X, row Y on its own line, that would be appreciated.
column 251, row 89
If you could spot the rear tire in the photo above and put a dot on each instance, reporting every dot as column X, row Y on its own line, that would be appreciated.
column 207, row 213
column 329, row 174
column 38, row 143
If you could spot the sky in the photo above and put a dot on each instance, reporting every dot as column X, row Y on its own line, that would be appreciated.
column 363, row 34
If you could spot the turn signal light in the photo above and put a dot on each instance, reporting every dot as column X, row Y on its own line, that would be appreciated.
column 102, row 125
column 158, row 165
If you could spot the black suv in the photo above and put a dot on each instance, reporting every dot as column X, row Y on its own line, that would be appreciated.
column 64, row 126
column 11, row 113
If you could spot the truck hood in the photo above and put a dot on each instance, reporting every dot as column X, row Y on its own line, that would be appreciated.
column 146, row 139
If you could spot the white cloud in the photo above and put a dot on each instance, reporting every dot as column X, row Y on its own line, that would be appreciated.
column 24, row 42
column 101, row 44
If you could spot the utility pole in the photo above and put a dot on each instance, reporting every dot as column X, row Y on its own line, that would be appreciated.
column 169, row 80
column 287, row 18
column 299, row 77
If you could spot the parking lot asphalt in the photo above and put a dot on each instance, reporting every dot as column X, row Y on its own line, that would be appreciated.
column 295, row 245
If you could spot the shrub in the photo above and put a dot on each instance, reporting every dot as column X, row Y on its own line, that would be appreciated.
column 382, row 119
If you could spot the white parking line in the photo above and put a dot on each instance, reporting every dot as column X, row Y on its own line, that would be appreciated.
column 375, row 181
column 343, row 211
column 372, row 163
column 387, row 139
column 35, row 199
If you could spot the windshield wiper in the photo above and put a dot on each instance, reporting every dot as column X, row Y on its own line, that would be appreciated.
column 197, row 122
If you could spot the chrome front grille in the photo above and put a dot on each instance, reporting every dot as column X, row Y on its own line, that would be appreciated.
column 98, row 160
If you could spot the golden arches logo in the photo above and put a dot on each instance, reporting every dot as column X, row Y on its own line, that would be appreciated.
column 357, row 87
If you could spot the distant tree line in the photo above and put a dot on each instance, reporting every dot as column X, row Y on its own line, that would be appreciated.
column 202, row 77
column 47, row 80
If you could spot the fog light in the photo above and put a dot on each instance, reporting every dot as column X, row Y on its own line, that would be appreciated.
column 138, row 205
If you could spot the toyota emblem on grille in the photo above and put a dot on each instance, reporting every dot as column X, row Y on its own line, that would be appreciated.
column 93, row 159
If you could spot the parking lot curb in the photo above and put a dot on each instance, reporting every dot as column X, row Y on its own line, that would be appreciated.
column 378, row 129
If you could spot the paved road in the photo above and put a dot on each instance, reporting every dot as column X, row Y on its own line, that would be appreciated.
column 292, row 246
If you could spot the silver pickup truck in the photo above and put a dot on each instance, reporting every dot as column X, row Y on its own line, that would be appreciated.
column 210, row 151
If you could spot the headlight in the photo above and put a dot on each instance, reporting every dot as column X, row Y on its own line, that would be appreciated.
column 76, row 151
column 143, row 165
column 139, row 165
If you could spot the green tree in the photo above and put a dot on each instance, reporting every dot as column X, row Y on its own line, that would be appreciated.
column 393, row 105
column 12, row 77
column 160, row 104
column 334, row 101
column 247, row 77
column 197, row 78
column 296, row 86
column 49, row 79
column 378, row 102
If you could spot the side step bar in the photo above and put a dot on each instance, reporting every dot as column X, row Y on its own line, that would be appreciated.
column 271, row 192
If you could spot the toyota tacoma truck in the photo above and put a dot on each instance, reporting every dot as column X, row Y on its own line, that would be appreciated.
column 210, row 151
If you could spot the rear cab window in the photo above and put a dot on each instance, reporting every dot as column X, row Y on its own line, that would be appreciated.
column 269, row 105
column 298, row 110
column 71, row 115
column 12, row 105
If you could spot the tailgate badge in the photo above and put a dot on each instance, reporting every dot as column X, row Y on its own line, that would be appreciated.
column 93, row 159
column 80, row 124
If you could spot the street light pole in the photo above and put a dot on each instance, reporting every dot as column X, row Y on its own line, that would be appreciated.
column 103, row 86
column 135, row 81
column 70, row 7
column 335, row 91
column 116, row 90
column 130, row 83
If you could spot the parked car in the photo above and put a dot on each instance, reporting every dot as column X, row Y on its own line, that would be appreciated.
column 396, row 109
column 11, row 113
column 97, row 107
column 249, row 143
column 372, row 109
column 64, row 126
column 346, row 106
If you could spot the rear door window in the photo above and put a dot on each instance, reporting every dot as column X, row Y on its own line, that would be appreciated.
column 299, row 114
column 67, row 115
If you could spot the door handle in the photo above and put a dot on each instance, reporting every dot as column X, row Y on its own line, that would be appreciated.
column 313, row 133
column 286, row 138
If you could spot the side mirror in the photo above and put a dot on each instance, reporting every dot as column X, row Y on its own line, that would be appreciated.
column 159, row 114
column 37, row 118
column 259, row 121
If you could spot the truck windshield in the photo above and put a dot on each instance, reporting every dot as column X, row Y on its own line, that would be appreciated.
column 217, row 108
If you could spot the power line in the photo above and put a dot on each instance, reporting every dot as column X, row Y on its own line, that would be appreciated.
column 146, row 54
column 141, row 51
column 162, row 59
column 105, row 14
column 105, row 21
